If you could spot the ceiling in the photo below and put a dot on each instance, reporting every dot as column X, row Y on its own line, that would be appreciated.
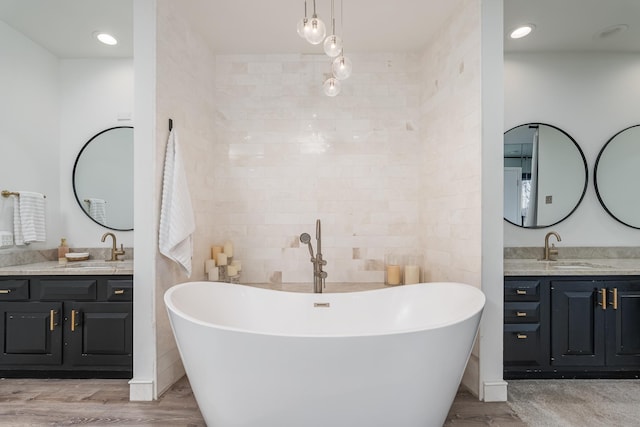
column 65, row 27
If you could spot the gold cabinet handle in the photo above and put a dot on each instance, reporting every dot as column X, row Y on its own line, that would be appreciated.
column 603, row 302
column 521, row 291
column 52, row 320
column 73, row 320
column 118, row 292
column 521, row 314
column 522, row 336
column 614, row 301
column 5, row 291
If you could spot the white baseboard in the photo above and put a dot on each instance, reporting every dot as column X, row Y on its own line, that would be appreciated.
column 141, row 390
column 495, row 391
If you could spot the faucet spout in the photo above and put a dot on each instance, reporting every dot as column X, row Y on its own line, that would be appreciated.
column 551, row 253
column 115, row 252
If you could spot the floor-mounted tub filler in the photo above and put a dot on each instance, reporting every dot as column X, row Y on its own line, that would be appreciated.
column 265, row 358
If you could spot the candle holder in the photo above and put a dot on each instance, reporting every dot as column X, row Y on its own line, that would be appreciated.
column 412, row 265
column 228, row 273
column 392, row 269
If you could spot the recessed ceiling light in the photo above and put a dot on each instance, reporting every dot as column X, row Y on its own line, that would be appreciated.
column 522, row 31
column 106, row 38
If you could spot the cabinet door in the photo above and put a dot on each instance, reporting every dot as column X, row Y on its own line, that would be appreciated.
column 31, row 333
column 577, row 331
column 99, row 333
column 623, row 324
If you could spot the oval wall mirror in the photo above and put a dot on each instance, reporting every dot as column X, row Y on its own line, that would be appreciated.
column 545, row 175
column 103, row 178
column 615, row 176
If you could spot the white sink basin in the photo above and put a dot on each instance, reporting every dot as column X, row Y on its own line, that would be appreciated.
column 573, row 265
column 95, row 265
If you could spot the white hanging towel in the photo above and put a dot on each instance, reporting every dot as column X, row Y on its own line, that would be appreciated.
column 177, row 222
column 98, row 210
column 29, row 218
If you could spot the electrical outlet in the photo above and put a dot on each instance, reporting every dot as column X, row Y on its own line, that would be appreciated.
column 6, row 239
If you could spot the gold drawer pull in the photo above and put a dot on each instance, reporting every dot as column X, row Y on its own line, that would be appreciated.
column 52, row 320
column 614, row 302
column 73, row 320
column 521, row 314
column 5, row 291
column 522, row 336
column 521, row 292
column 118, row 292
column 603, row 303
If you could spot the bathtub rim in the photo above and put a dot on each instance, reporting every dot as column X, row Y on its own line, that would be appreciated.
column 478, row 308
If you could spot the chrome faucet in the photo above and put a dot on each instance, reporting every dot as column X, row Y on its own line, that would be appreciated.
column 114, row 249
column 318, row 262
column 550, row 253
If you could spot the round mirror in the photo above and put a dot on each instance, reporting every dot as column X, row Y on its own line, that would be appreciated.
column 545, row 175
column 103, row 178
column 615, row 176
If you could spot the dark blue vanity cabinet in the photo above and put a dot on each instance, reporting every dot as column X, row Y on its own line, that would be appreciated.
column 588, row 327
column 66, row 326
column 526, row 325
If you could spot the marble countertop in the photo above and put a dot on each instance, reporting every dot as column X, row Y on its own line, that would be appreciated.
column 89, row 267
column 572, row 267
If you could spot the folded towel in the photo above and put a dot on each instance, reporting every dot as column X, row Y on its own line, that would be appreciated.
column 29, row 218
column 98, row 210
column 177, row 222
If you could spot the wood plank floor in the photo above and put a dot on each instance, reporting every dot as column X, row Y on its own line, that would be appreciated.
column 37, row 402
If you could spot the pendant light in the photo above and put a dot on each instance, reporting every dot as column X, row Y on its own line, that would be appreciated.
column 331, row 86
column 303, row 23
column 342, row 67
column 333, row 43
column 317, row 30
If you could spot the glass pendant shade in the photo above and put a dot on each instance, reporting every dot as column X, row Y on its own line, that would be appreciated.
column 332, row 45
column 331, row 86
column 342, row 67
column 317, row 31
column 303, row 27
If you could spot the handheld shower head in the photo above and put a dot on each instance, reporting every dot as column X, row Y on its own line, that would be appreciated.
column 306, row 239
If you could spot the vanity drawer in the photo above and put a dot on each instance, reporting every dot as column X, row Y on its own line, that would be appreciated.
column 14, row 290
column 120, row 290
column 522, row 344
column 521, row 312
column 522, row 290
column 61, row 289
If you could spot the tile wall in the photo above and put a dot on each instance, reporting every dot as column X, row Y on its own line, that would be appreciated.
column 284, row 155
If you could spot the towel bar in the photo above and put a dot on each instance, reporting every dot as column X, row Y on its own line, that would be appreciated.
column 6, row 193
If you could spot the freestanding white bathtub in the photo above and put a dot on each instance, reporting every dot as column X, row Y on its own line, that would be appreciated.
column 266, row 358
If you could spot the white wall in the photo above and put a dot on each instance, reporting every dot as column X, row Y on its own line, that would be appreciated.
column 93, row 93
column 591, row 97
column 29, row 128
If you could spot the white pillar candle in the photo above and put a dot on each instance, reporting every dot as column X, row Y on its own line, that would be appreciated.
column 411, row 274
column 228, row 249
column 232, row 271
column 209, row 264
column 222, row 259
column 213, row 274
column 237, row 264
